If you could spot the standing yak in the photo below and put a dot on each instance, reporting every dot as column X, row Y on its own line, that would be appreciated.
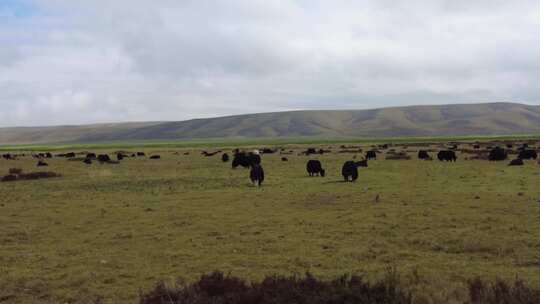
column 497, row 154
column 120, row 156
column 103, row 158
column 349, row 171
column 447, row 155
column 225, row 157
column 246, row 160
column 371, row 155
column 314, row 168
column 256, row 175
column 423, row 154
column 527, row 154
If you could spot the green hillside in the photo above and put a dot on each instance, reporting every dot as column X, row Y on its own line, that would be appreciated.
column 444, row 120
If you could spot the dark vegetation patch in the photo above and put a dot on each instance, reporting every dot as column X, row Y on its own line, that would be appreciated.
column 398, row 156
column 500, row 292
column 16, row 174
column 218, row 288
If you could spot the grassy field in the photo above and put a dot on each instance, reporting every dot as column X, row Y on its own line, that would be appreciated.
column 108, row 231
column 243, row 142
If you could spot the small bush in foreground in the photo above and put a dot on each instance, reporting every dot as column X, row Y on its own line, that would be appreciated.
column 501, row 292
column 217, row 288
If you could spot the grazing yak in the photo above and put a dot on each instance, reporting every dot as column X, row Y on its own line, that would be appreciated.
column 423, row 154
column 246, row 160
column 527, row 154
column 120, row 156
column 284, row 159
column 8, row 156
column 91, row 156
column 225, row 157
column 256, row 174
column 497, row 154
column 314, row 168
column 267, row 151
column 371, row 155
column 141, row 154
column 155, row 157
column 310, row 151
column 42, row 164
column 103, row 158
column 87, row 161
column 447, row 155
column 349, row 171
column 516, row 162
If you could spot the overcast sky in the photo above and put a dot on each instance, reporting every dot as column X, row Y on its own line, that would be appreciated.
column 86, row 61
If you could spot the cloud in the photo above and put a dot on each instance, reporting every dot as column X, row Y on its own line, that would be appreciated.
column 97, row 61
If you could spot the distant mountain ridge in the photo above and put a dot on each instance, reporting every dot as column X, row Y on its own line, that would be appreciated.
column 433, row 120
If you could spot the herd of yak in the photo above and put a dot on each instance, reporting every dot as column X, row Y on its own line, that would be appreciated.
column 489, row 151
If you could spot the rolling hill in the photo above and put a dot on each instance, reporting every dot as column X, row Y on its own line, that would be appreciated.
column 440, row 120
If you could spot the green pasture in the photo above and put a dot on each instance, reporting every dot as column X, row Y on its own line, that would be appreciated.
column 105, row 232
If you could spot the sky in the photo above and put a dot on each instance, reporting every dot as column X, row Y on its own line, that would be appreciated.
column 94, row 61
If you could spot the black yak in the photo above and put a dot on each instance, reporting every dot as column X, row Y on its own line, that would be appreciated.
column 516, row 162
column 8, row 156
column 349, row 171
column 310, row 151
column 497, row 154
column 423, row 154
column 225, row 157
column 314, row 168
column 103, row 158
column 447, row 155
column 267, row 151
column 256, row 174
column 371, row 155
column 527, row 154
column 155, row 157
column 246, row 160
column 42, row 164
column 284, row 159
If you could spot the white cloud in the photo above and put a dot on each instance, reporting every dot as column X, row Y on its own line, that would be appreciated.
column 96, row 61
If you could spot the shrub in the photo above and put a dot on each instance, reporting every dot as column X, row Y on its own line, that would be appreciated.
column 29, row 176
column 501, row 292
column 217, row 288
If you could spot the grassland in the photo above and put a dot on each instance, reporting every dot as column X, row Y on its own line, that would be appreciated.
column 108, row 231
